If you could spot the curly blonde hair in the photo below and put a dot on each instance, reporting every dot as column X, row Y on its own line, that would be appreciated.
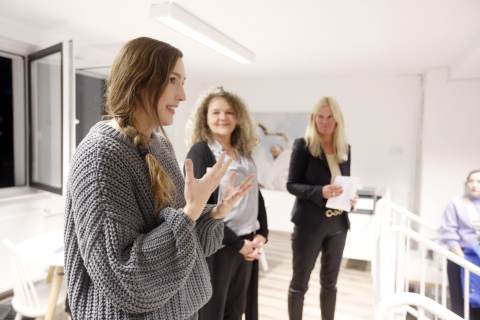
column 244, row 136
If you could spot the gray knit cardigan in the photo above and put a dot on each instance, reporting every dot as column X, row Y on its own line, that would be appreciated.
column 123, row 261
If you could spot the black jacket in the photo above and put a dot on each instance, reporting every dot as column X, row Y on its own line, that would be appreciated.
column 203, row 158
column 306, row 178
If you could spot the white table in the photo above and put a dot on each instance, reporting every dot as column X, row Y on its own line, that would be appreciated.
column 47, row 249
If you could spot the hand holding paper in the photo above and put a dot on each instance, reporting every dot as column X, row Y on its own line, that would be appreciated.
column 349, row 186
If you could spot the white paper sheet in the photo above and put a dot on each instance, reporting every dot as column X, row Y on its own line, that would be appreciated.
column 349, row 186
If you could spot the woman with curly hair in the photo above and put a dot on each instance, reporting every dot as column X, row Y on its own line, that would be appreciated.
column 220, row 123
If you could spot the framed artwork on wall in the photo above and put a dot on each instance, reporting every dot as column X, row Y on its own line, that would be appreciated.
column 277, row 133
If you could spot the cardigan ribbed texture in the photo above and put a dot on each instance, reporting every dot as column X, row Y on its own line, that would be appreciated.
column 122, row 260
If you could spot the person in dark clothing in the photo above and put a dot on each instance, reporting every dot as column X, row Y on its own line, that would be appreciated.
column 317, row 159
column 221, row 122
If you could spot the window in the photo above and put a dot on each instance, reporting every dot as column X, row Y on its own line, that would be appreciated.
column 45, row 74
column 12, row 121
column 90, row 89
column 50, row 120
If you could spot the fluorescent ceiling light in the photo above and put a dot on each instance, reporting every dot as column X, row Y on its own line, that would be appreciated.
column 176, row 18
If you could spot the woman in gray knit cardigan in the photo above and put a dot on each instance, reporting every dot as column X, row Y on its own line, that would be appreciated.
column 136, row 232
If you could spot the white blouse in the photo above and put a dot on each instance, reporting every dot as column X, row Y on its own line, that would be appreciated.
column 243, row 217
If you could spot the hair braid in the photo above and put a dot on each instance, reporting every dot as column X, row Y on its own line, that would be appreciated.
column 161, row 183
column 140, row 74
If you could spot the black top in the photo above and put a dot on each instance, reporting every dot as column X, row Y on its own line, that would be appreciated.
column 203, row 158
column 306, row 178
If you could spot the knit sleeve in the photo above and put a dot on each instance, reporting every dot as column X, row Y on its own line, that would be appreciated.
column 137, row 271
column 209, row 231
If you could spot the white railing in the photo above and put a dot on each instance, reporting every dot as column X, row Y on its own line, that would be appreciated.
column 403, row 299
column 392, row 262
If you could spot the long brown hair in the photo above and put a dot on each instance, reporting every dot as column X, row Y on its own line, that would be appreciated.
column 139, row 76
column 244, row 137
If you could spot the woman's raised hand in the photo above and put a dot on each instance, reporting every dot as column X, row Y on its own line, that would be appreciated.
column 231, row 196
column 197, row 191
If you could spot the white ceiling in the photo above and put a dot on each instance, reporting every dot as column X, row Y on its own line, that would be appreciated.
column 290, row 39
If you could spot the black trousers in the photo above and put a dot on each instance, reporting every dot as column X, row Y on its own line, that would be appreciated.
column 456, row 292
column 230, row 274
column 330, row 240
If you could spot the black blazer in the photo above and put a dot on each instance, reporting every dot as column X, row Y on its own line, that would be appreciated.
column 203, row 158
column 306, row 178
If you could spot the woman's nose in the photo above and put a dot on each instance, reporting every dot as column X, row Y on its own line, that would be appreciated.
column 181, row 94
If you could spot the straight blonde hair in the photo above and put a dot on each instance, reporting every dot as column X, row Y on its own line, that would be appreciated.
column 139, row 76
column 314, row 138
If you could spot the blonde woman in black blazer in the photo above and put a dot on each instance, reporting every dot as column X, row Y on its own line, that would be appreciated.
column 315, row 162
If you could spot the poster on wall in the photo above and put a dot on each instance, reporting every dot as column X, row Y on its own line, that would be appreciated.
column 277, row 133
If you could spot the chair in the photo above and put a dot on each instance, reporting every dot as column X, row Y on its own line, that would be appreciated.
column 28, row 299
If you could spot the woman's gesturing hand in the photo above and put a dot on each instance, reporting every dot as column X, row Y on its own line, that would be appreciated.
column 331, row 191
column 197, row 191
column 231, row 196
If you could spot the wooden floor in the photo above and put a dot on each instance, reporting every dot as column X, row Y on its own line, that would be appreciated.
column 355, row 287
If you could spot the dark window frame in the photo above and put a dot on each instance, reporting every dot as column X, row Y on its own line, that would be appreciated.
column 30, row 58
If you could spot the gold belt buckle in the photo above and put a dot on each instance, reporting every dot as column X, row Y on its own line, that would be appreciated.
column 330, row 213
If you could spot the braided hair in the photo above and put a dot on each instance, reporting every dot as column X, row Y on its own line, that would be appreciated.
column 139, row 76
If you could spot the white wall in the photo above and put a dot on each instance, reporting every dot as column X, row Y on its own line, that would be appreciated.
column 450, row 146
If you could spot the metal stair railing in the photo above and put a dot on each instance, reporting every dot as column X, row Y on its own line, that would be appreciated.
column 391, row 265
